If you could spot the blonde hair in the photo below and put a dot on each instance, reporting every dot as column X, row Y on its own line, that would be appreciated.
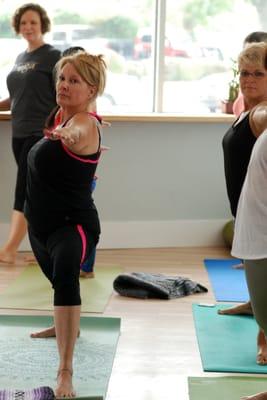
column 253, row 54
column 92, row 69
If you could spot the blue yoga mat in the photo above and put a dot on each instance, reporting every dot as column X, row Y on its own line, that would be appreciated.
column 227, row 343
column 228, row 283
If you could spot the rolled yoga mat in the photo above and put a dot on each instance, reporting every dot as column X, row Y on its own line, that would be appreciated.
column 32, row 291
column 227, row 343
column 225, row 388
column 228, row 283
column 28, row 363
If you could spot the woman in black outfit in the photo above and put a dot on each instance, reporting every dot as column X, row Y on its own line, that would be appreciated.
column 31, row 99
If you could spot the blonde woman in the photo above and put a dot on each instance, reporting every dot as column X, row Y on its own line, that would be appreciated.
column 239, row 142
column 63, row 221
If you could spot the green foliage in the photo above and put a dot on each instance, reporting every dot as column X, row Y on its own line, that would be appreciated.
column 185, row 69
column 138, row 68
column 176, row 69
column 115, row 62
column 66, row 17
column 197, row 12
column 234, row 83
column 6, row 30
column 117, row 27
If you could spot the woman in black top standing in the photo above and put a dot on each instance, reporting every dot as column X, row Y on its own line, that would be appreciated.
column 63, row 221
column 239, row 140
column 31, row 99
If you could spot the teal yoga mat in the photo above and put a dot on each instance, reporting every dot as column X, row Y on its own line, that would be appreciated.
column 27, row 363
column 226, row 343
column 225, row 388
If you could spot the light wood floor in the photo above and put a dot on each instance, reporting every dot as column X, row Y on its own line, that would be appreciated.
column 157, row 349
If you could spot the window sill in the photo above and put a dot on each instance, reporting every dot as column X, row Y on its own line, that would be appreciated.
column 155, row 117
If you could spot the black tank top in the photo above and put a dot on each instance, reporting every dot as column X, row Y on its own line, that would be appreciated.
column 59, row 187
column 237, row 144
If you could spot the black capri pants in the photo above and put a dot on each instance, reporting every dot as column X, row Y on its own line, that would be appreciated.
column 60, row 255
column 21, row 148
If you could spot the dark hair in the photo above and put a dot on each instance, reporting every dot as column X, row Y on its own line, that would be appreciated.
column 45, row 21
column 49, row 122
column 255, row 37
column 72, row 50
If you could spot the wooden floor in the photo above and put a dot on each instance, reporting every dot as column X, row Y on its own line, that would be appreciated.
column 157, row 349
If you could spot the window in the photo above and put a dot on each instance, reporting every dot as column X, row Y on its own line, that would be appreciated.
column 163, row 55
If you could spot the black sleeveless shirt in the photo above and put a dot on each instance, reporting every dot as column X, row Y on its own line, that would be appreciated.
column 59, row 187
column 237, row 144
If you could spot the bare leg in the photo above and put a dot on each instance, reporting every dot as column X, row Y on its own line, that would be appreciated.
column 245, row 309
column 262, row 348
column 18, row 230
column 67, row 322
column 258, row 396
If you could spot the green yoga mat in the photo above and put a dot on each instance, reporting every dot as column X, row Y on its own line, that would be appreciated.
column 226, row 343
column 225, row 388
column 27, row 363
column 32, row 291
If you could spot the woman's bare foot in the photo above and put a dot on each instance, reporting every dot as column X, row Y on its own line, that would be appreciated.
column 64, row 384
column 241, row 309
column 258, row 396
column 262, row 348
column 238, row 266
column 30, row 259
column 7, row 257
column 46, row 333
column 87, row 275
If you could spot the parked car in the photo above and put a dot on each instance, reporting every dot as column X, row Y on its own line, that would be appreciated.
column 124, row 47
column 143, row 46
column 66, row 35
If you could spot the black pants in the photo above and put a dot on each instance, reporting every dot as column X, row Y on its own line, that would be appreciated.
column 21, row 148
column 60, row 254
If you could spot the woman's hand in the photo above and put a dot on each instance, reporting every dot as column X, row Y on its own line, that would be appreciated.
column 69, row 136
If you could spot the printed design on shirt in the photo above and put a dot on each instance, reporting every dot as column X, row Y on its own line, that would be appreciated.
column 23, row 68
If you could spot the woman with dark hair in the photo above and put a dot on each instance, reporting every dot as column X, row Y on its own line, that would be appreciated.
column 31, row 99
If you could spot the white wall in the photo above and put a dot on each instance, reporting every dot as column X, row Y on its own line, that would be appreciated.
column 160, row 184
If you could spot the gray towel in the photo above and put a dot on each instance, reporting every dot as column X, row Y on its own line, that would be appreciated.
column 145, row 286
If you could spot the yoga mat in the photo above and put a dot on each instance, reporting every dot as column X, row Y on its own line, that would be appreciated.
column 27, row 363
column 32, row 291
column 228, row 283
column 227, row 343
column 225, row 388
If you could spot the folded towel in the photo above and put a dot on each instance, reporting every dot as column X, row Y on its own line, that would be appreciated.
column 39, row 393
column 144, row 286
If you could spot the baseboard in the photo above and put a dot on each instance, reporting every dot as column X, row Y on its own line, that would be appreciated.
column 144, row 234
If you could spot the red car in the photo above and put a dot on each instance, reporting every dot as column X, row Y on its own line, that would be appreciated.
column 143, row 46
